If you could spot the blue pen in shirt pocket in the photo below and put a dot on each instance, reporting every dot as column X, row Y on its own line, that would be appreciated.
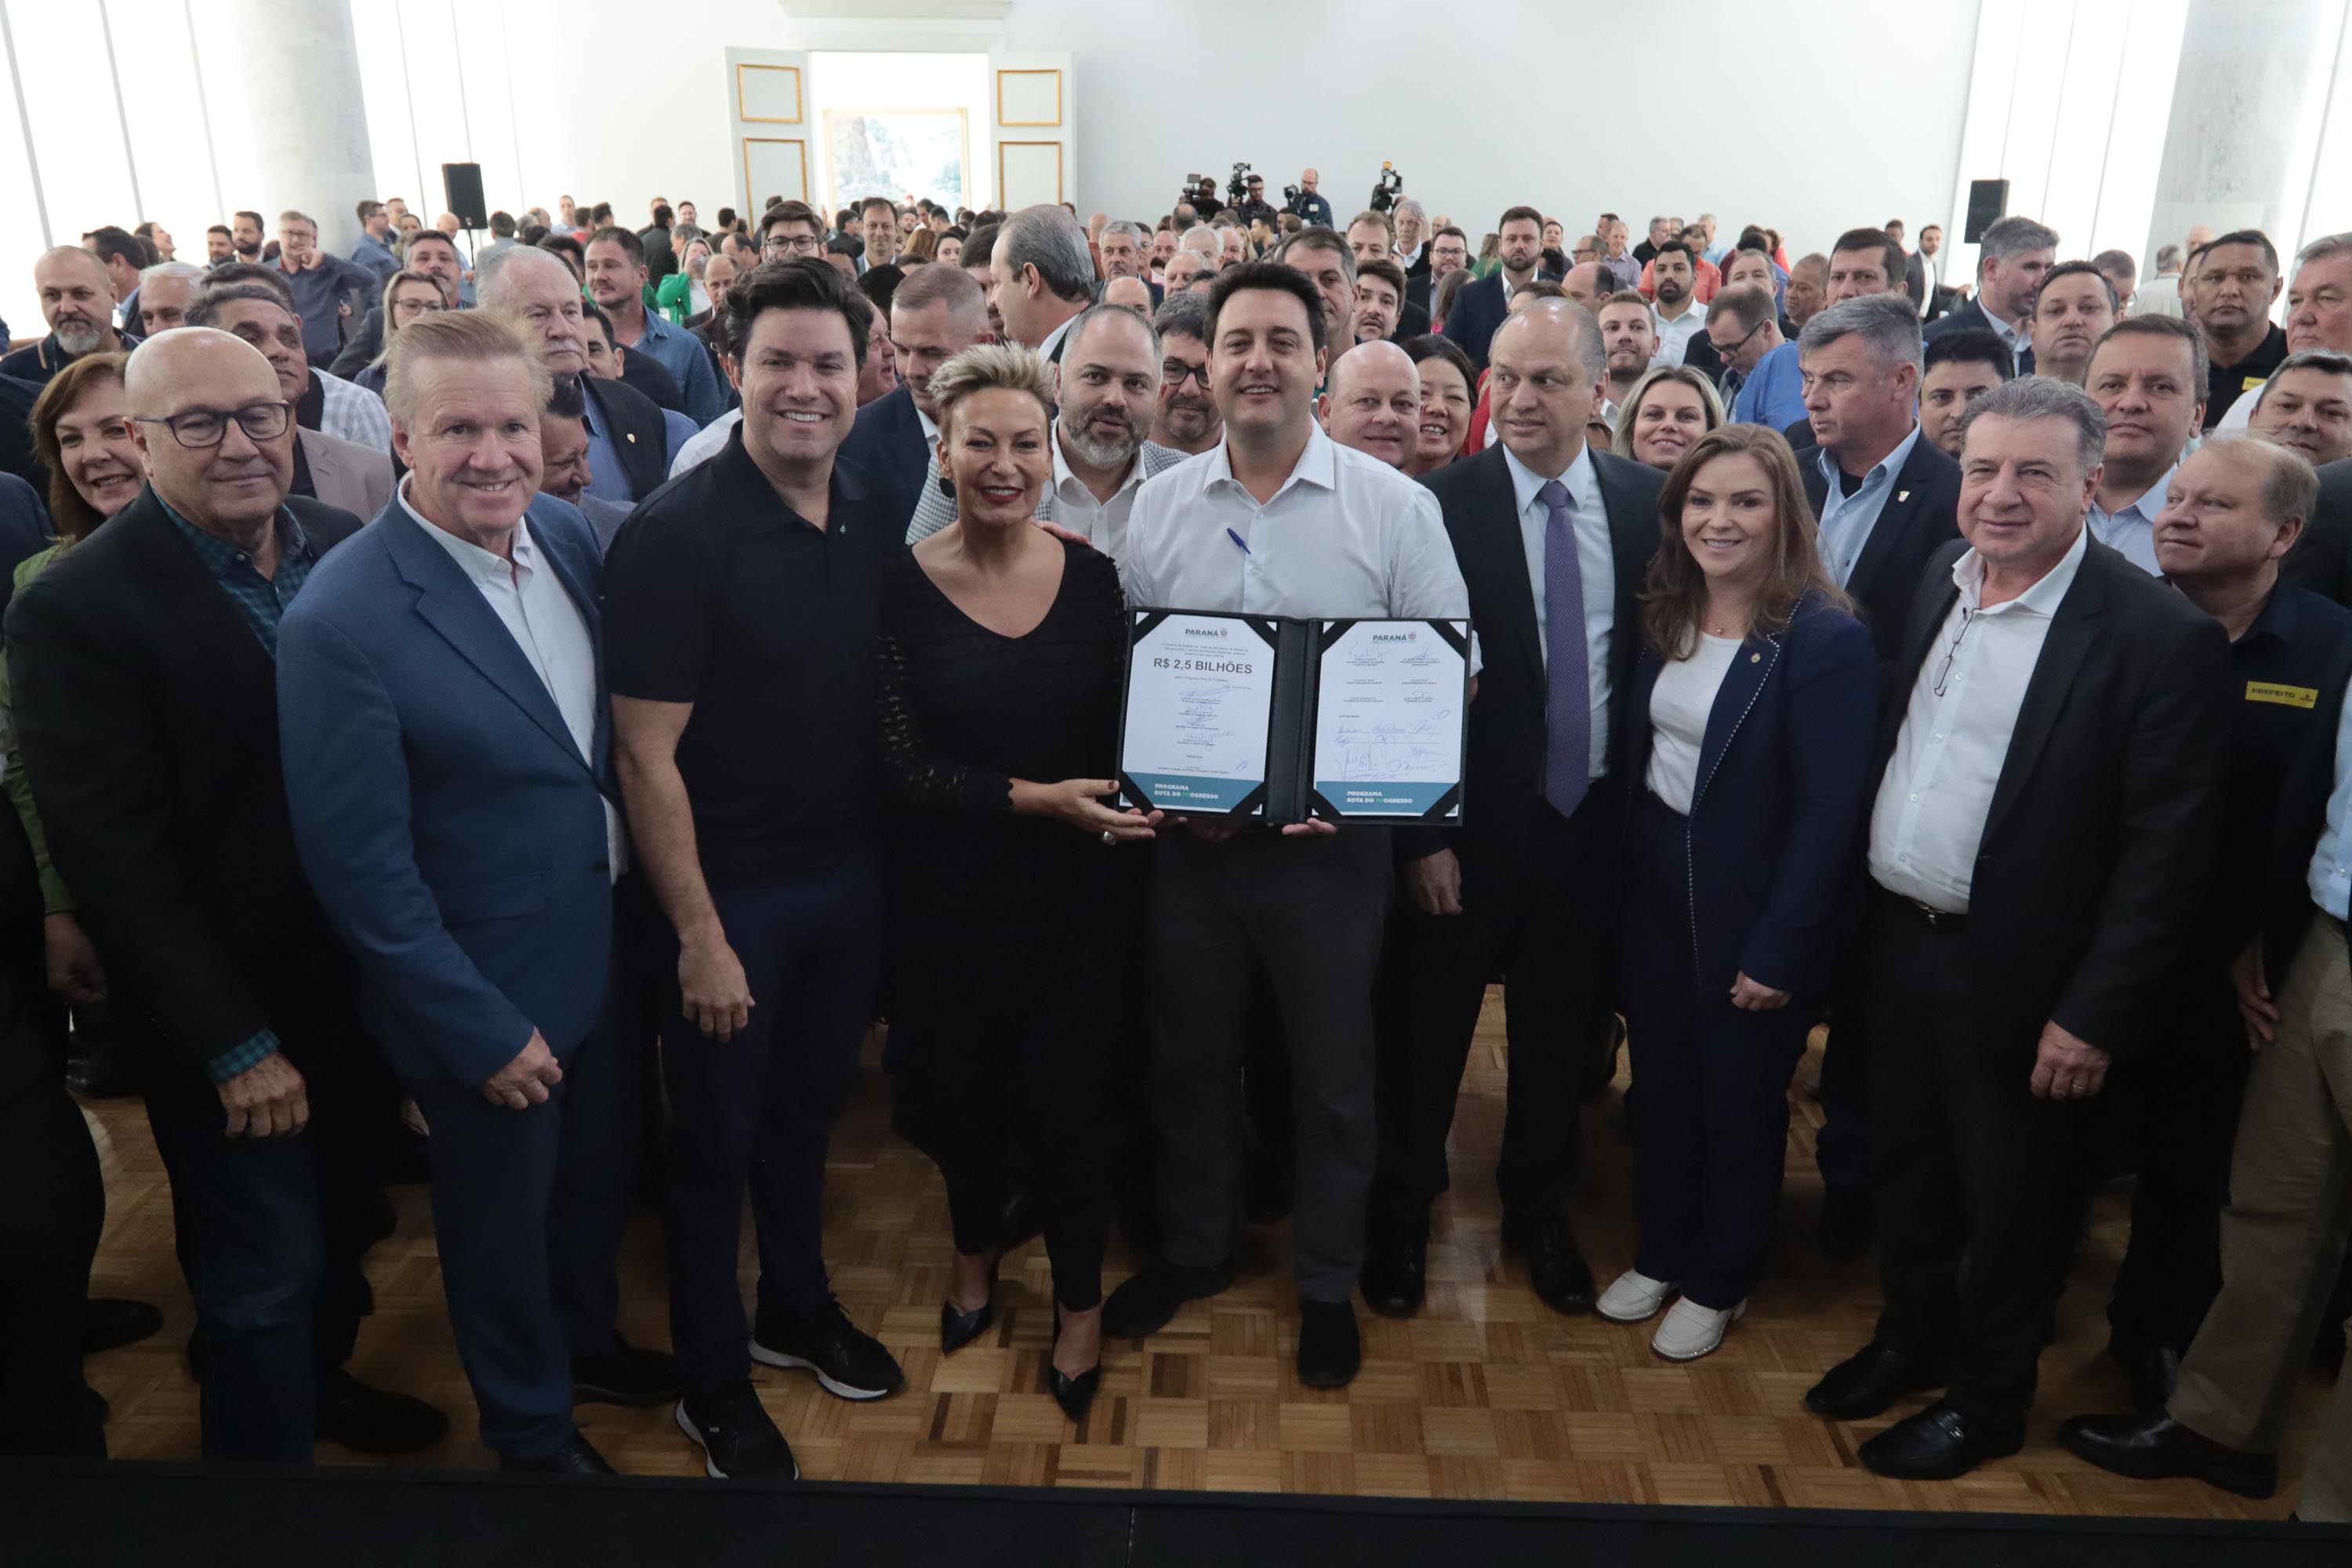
column 1239, row 541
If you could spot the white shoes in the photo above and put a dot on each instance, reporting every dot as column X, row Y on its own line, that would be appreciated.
column 1691, row 1330
column 1634, row 1299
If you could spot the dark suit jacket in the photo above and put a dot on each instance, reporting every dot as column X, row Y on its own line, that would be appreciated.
column 641, row 373
column 453, row 829
column 1503, row 762
column 2321, row 560
column 1920, row 517
column 887, row 443
column 1412, row 321
column 1777, row 813
column 638, row 432
column 148, row 713
column 2097, row 848
column 1971, row 317
column 358, row 350
column 1479, row 308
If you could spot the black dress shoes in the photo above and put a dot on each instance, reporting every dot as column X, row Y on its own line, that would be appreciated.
column 1330, row 1350
column 1873, row 1377
column 1941, row 1443
column 1144, row 1304
column 1849, row 1223
column 1562, row 1280
column 1073, row 1394
column 1395, row 1278
column 578, row 1457
column 626, row 1375
column 109, row 1322
column 373, row 1420
column 2154, row 1371
column 959, row 1329
column 2156, row 1447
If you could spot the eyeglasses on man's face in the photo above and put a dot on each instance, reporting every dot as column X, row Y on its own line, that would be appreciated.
column 199, row 429
column 793, row 244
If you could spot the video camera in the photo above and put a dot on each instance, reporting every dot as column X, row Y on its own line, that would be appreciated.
column 1197, row 186
column 1385, row 188
column 1237, row 188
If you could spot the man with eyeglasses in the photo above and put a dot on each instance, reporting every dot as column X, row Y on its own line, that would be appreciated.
column 144, row 667
column 424, row 250
column 1188, row 420
column 1763, row 381
column 790, row 231
column 2051, row 781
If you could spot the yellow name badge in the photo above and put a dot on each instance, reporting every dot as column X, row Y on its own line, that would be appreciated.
column 2285, row 696
column 2252, row 382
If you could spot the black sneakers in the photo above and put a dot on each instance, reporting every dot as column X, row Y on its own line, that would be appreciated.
column 739, row 1442
column 849, row 1363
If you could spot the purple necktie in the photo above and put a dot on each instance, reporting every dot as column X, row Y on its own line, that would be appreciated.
column 1568, row 695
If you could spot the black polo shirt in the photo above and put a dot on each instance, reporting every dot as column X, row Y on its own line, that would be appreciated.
column 718, row 594
column 2281, row 670
column 2225, row 383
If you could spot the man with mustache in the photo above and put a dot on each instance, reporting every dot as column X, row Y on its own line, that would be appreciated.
column 1373, row 403
column 77, row 302
column 2307, row 404
column 2318, row 310
column 2072, row 312
column 1188, row 419
column 2148, row 375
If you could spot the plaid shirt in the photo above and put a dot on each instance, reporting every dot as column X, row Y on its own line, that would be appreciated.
column 260, row 602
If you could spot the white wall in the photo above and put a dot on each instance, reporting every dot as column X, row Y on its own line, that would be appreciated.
column 1835, row 112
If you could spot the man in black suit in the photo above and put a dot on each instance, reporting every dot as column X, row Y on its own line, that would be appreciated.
column 1125, row 251
column 2011, row 259
column 2049, row 789
column 540, row 292
column 426, row 250
column 1410, row 219
column 937, row 313
column 1553, row 539
column 2321, row 560
column 1448, row 250
column 1371, row 238
column 1481, row 307
column 1887, row 500
column 146, row 702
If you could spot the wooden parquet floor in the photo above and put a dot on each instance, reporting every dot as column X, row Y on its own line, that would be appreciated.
column 1486, row 1395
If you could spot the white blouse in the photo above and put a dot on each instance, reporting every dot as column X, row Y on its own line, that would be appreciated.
column 1679, row 706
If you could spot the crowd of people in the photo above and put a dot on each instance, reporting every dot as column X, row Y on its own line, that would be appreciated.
column 530, row 712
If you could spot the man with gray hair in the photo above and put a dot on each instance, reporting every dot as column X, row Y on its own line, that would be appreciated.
column 2049, row 787
column 164, row 293
column 1411, row 221
column 2160, row 295
column 936, row 314
column 1126, row 252
column 1043, row 276
column 2011, row 259
column 2318, row 311
column 1324, row 256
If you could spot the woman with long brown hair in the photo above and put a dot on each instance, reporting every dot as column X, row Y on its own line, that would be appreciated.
column 1747, row 750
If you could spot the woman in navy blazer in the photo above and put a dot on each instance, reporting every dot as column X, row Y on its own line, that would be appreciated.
column 1748, row 755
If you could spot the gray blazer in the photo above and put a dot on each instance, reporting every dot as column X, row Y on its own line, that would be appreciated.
column 355, row 478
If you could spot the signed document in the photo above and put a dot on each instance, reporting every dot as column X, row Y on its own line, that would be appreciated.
column 1389, row 714
column 1200, row 707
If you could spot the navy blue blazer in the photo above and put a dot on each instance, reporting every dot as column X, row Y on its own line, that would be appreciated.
column 1479, row 306
column 1777, row 813
column 887, row 443
column 447, row 820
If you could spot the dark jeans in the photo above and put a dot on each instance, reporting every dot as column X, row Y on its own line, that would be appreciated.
column 1971, row 1169
column 1538, row 912
column 274, row 1231
column 1711, row 1120
column 48, row 1234
column 2184, row 1098
column 761, row 1108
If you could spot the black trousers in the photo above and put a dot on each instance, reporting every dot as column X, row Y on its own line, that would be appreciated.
column 1971, row 1169
column 2183, row 1096
column 1037, row 1061
column 1540, row 913
column 48, row 1234
column 1711, row 1120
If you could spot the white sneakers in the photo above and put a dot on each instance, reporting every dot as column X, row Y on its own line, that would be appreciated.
column 1635, row 1297
column 1691, row 1330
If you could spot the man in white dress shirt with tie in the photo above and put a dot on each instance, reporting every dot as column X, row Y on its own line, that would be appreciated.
column 2051, row 784
column 1278, row 519
column 2148, row 374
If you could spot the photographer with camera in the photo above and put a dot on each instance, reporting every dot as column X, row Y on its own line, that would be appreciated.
column 1313, row 209
column 1248, row 192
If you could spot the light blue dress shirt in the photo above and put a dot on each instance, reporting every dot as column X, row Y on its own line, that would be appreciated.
column 2330, row 877
column 1774, row 396
column 1847, row 520
column 2133, row 530
column 606, row 482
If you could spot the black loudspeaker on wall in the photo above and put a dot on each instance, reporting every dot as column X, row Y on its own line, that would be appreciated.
column 462, row 183
column 1988, row 200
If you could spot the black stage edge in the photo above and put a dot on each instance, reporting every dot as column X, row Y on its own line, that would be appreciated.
column 356, row 1516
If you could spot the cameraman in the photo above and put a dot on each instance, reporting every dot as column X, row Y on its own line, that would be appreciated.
column 1313, row 210
column 1253, row 205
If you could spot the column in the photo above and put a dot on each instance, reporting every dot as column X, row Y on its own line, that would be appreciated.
column 289, row 125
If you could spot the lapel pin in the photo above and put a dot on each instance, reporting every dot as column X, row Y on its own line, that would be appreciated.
column 1755, row 658
column 1899, row 495
column 632, row 437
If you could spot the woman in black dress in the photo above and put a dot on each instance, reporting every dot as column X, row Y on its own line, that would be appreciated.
column 1002, row 649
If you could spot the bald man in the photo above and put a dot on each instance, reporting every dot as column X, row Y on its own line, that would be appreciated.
column 1128, row 294
column 145, row 670
column 1589, row 284
column 77, row 302
column 1372, row 403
